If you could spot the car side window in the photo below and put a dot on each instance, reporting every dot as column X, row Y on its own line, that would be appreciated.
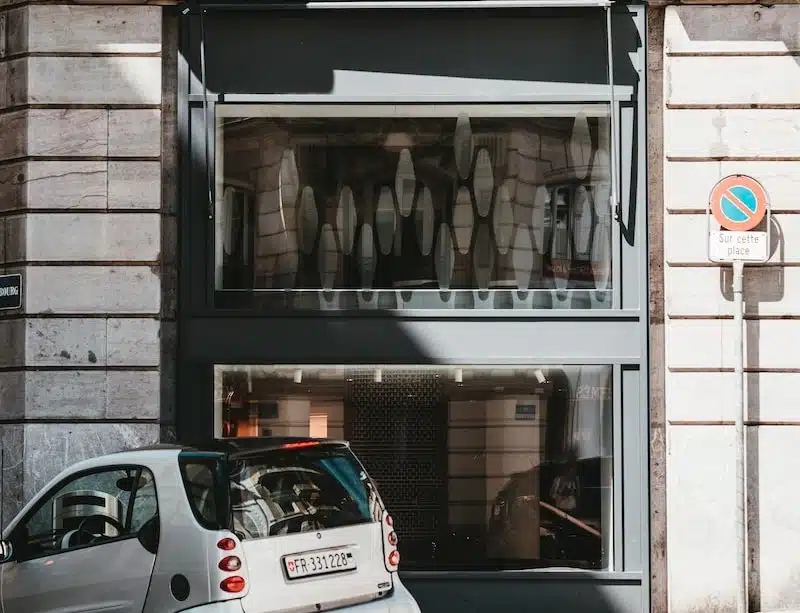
column 90, row 509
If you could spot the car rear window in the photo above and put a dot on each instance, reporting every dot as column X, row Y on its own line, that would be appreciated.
column 200, row 479
column 299, row 488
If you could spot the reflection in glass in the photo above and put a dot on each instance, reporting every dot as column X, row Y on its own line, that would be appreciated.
column 484, row 256
column 583, row 214
column 503, row 221
column 405, row 183
column 366, row 256
column 346, row 220
column 385, row 220
column 328, row 257
column 522, row 257
column 425, row 218
column 482, row 468
column 445, row 257
column 580, row 146
column 500, row 179
column 463, row 220
column 542, row 218
column 289, row 181
column 483, row 182
column 307, row 220
column 602, row 241
column 463, row 144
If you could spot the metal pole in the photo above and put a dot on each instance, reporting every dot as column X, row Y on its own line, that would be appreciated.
column 613, row 118
column 741, row 500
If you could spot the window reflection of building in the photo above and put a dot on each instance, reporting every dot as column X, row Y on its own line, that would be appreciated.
column 482, row 468
column 367, row 204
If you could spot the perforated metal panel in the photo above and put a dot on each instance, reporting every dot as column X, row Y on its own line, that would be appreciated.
column 397, row 428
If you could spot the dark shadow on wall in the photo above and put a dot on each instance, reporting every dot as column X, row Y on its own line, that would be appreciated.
column 761, row 22
column 299, row 52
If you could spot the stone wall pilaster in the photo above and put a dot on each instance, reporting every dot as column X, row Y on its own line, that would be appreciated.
column 84, row 218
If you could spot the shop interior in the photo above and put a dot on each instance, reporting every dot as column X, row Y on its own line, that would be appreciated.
column 482, row 468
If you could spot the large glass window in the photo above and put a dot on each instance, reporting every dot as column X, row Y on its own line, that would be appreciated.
column 481, row 468
column 413, row 206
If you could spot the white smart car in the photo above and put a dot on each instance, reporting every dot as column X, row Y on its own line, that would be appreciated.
column 262, row 525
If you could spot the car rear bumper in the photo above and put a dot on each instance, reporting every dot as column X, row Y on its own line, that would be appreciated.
column 227, row 606
column 401, row 601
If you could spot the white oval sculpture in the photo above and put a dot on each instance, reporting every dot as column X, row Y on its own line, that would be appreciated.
column 463, row 143
column 601, row 245
column 541, row 214
column 346, row 219
column 580, row 146
column 307, row 220
column 405, row 183
column 328, row 257
column 463, row 220
column 583, row 224
column 503, row 218
column 522, row 256
column 483, row 182
column 385, row 220
column 424, row 218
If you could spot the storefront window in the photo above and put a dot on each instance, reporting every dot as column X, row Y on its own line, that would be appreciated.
column 413, row 207
column 482, row 468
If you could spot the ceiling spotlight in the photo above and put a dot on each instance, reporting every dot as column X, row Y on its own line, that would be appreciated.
column 459, row 375
column 298, row 376
column 378, row 375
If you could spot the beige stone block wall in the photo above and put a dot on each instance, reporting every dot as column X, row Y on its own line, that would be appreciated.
column 82, row 209
column 731, row 93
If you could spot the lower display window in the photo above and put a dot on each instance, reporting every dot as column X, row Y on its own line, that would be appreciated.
column 482, row 468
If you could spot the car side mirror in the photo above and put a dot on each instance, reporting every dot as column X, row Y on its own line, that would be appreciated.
column 6, row 551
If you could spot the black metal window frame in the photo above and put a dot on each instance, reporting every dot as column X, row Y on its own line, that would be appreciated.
column 209, row 336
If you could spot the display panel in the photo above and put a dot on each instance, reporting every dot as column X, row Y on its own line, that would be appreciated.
column 482, row 468
column 369, row 207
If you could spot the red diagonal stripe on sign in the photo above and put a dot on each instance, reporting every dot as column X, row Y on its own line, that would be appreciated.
column 738, row 203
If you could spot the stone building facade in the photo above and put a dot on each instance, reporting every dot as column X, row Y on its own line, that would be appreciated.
column 723, row 99
column 86, row 210
column 88, row 200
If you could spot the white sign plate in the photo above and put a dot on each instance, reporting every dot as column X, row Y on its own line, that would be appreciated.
column 726, row 246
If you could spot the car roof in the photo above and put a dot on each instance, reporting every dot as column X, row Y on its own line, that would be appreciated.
column 241, row 447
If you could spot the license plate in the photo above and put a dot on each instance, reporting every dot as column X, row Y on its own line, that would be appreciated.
column 314, row 563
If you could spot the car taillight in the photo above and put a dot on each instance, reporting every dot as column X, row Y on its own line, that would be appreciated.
column 391, row 557
column 232, row 585
column 227, row 544
column 230, row 564
column 299, row 445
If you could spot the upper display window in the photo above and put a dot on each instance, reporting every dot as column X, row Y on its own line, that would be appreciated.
column 386, row 207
